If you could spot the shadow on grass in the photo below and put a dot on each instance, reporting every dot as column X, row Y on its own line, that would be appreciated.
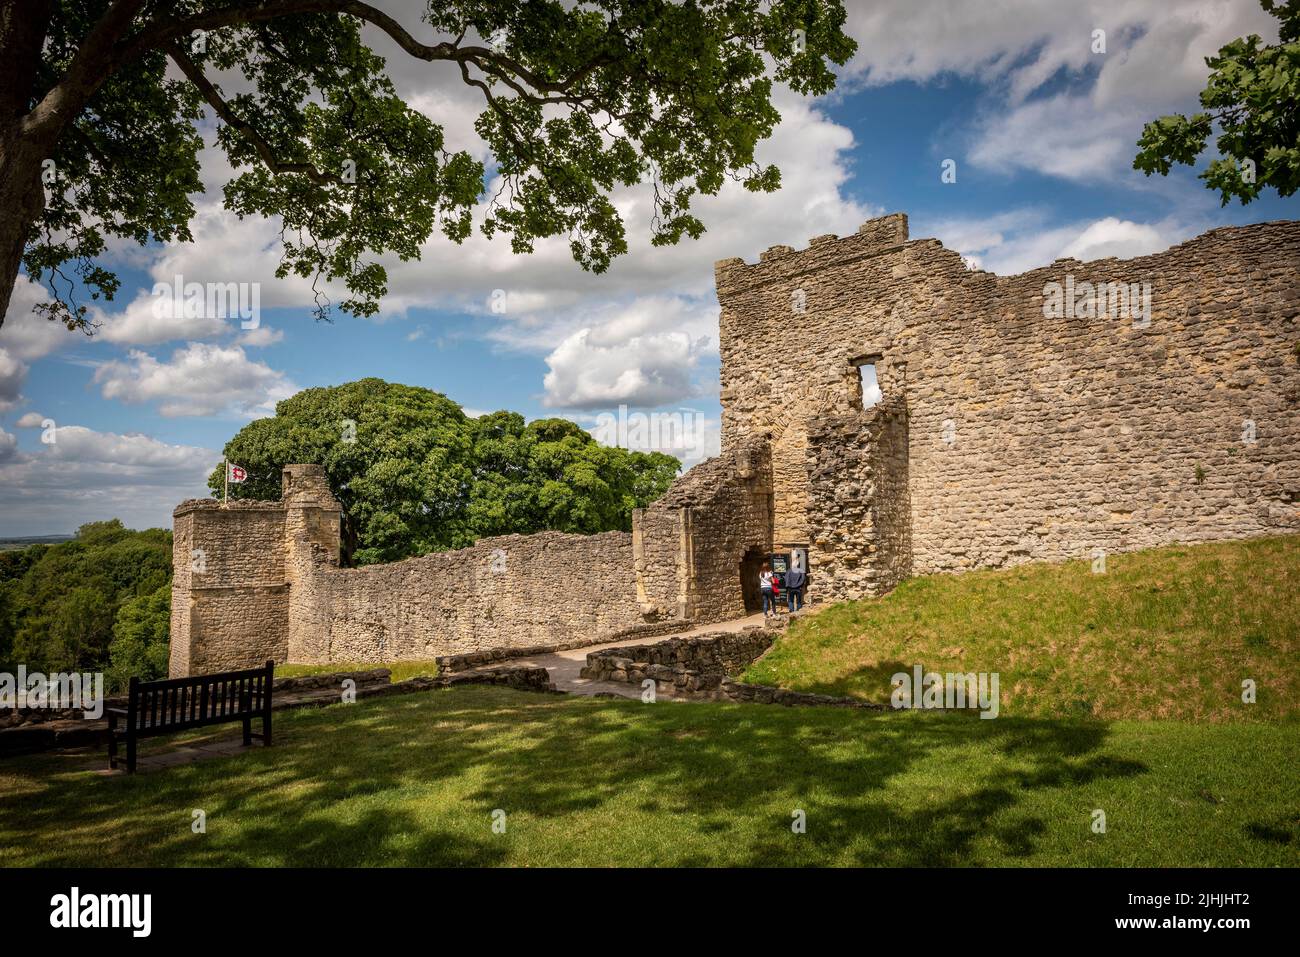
column 414, row 781
column 1284, row 831
column 758, row 753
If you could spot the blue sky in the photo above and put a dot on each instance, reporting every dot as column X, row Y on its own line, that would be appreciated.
column 1041, row 129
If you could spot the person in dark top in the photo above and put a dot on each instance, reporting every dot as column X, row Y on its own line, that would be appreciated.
column 795, row 579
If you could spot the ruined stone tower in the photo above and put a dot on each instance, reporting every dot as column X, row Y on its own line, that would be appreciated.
column 1007, row 432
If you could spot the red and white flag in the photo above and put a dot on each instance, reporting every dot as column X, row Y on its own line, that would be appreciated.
column 235, row 473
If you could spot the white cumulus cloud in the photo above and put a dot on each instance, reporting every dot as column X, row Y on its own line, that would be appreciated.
column 1021, row 239
column 198, row 379
column 1153, row 63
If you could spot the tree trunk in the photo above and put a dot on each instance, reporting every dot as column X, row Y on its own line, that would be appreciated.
column 22, row 35
column 21, row 199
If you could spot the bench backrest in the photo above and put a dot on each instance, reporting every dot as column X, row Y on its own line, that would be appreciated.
column 199, row 700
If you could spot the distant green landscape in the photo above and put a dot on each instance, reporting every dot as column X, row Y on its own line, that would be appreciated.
column 10, row 544
column 100, row 601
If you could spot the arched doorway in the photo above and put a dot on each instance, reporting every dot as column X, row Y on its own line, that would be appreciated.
column 750, row 565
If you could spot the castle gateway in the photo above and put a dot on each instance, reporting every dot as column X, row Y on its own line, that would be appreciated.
column 883, row 406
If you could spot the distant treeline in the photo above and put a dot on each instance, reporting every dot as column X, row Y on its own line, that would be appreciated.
column 100, row 602
column 9, row 544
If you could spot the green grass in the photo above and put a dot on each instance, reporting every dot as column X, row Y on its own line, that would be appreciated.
column 414, row 780
column 1164, row 633
column 401, row 669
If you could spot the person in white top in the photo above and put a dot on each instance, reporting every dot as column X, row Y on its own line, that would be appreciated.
column 765, row 585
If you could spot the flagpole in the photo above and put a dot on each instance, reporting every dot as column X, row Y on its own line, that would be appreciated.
column 225, row 497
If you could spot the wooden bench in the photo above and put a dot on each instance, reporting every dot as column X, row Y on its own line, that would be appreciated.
column 175, row 704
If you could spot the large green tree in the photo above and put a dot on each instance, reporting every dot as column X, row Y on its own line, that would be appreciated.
column 102, row 98
column 551, row 474
column 414, row 474
column 1253, row 97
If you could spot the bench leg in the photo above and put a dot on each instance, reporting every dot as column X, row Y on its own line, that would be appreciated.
column 248, row 731
column 130, row 753
column 266, row 729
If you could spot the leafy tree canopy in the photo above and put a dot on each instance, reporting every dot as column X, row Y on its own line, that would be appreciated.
column 1253, row 96
column 59, row 604
column 103, row 98
column 140, row 645
column 414, row 474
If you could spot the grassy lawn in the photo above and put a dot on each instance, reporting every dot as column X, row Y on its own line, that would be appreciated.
column 1164, row 633
column 414, row 780
column 401, row 669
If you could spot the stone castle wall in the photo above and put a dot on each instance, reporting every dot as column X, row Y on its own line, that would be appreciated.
column 1004, row 435
column 229, row 598
column 859, row 516
column 269, row 586
column 504, row 592
column 691, row 544
column 1028, row 438
column 258, row 580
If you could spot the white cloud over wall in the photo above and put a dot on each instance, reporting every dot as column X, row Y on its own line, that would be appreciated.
column 647, row 321
column 645, row 333
column 1154, row 61
column 1022, row 239
column 553, row 309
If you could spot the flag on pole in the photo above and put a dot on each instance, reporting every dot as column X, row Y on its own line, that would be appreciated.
column 234, row 473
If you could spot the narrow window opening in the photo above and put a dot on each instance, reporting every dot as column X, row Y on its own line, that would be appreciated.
column 868, row 385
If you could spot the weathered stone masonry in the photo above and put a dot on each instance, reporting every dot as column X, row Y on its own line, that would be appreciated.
column 260, row 580
column 1003, row 436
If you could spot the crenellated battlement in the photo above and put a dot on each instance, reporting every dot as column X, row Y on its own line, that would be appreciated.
column 782, row 262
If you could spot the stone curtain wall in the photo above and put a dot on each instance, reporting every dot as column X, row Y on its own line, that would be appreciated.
column 504, row 592
column 270, row 588
column 1028, row 438
column 273, row 589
